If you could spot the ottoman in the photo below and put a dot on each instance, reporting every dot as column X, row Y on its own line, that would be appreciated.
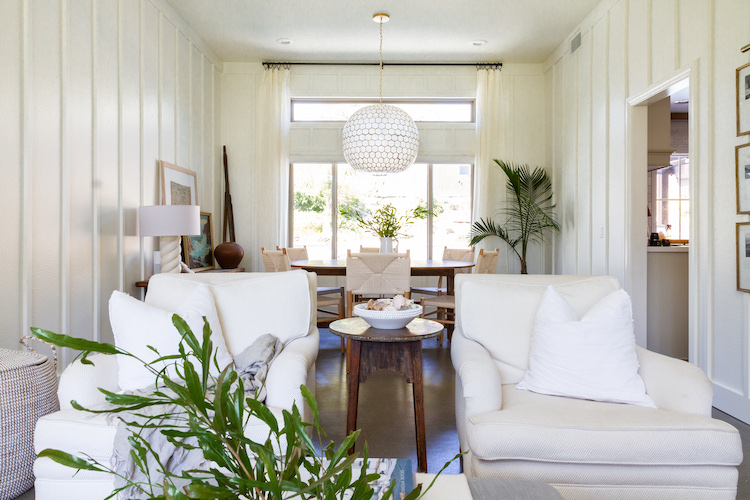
column 28, row 390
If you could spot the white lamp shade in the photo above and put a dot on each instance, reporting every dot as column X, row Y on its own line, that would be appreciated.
column 380, row 139
column 169, row 220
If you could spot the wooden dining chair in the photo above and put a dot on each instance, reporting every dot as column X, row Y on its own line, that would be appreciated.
column 369, row 273
column 369, row 249
column 445, row 305
column 275, row 261
column 457, row 254
column 327, row 296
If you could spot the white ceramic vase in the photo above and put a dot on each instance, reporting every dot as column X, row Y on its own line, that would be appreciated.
column 387, row 245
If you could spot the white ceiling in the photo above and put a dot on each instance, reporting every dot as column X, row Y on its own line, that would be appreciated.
column 419, row 30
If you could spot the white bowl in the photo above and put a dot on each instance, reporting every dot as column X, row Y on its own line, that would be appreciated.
column 388, row 320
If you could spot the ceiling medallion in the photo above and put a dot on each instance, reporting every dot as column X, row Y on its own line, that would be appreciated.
column 381, row 138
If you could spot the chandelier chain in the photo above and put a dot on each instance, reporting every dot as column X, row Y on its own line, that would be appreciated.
column 381, row 61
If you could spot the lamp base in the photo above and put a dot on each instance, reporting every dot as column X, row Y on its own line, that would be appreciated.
column 170, row 246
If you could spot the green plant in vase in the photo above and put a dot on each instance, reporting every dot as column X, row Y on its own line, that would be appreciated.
column 207, row 415
column 385, row 222
column 529, row 212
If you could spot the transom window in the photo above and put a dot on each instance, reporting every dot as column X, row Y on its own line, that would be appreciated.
column 308, row 110
column 316, row 188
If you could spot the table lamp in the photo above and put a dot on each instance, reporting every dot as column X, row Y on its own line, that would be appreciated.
column 169, row 223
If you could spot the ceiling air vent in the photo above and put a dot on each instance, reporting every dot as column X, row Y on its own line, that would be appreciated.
column 575, row 42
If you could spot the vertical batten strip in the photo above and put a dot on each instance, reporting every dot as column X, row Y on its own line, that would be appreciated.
column 176, row 103
column 64, row 184
column 706, row 292
column 190, row 115
column 592, row 230
column 142, row 161
column 159, row 92
column 95, row 230
column 607, row 129
column 26, row 152
column 676, row 35
column 649, row 43
column 120, row 228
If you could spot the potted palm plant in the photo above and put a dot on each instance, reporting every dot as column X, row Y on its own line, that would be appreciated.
column 528, row 215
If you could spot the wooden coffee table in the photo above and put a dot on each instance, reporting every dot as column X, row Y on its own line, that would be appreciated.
column 400, row 350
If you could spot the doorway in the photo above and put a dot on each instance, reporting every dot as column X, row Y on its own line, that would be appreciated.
column 639, row 229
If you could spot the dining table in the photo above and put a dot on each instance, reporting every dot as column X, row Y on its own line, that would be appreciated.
column 431, row 267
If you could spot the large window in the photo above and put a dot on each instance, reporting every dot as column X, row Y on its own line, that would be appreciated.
column 670, row 199
column 441, row 111
column 444, row 189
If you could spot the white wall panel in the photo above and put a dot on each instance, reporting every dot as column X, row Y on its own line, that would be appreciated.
column 168, row 90
column 636, row 44
column 183, row 78
column 599, row 159
column 45, row 165
column 11, row 143
column 81, row 93
column 583, row 154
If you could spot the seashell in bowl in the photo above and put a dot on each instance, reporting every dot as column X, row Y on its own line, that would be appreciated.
column 388, row 319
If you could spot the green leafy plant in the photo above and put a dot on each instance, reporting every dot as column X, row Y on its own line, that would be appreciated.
column 529, row 214
column 304, row 202
column 214, row 411
column 385, row 222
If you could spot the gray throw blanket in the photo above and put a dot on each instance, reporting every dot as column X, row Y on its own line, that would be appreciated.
column 251, row 366
column 252, row 363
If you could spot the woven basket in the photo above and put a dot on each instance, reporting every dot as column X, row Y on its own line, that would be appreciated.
column 28, row 390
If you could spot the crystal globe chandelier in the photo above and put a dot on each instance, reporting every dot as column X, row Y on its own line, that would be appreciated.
column 380, row 139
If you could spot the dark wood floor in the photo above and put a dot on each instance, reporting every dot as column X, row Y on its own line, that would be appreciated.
column 387, row 420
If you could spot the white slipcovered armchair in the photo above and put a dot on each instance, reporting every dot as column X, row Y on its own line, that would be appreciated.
column 586, row 449
column 248, row 305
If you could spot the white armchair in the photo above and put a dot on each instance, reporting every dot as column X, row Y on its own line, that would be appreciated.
column 289, row 314
column 585, row 449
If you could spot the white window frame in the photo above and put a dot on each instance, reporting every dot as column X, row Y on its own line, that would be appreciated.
column 390, row 100
column 335, row 202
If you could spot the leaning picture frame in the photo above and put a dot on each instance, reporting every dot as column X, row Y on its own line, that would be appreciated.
column 179, row 186
column 743, row 100
column 742, row 166
column 743, row 256
column 198, row 251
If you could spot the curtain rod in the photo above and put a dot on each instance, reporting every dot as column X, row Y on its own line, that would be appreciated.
column 495, row 65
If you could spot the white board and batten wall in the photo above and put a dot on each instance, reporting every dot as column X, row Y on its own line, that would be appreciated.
column 93, row 94
column 628, row 47
column 522, row 141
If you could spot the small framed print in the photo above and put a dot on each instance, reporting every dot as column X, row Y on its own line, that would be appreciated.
column 199, row 250
column 179, row 186
column 742, row 163
column 743, row 256
column 743, row 100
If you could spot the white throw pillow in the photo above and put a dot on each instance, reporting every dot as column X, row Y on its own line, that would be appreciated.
column 591, row 358
column 137, row 325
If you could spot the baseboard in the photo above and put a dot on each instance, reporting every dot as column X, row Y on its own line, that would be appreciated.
column 732, row 403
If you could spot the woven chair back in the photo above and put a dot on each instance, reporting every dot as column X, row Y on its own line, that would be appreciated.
column 459, row 254
column 296, row 253
column 378, row 273
column 275, row 261
column 369, row 249
column 486, row 262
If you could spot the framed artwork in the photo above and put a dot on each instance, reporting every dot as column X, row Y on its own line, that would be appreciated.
column 198, row 251
column 743, row 256
column 179, row 186
column 743, row 100
column 742, row 164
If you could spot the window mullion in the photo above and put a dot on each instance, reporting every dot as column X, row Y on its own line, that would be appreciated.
column 429, row 209
column 334, row 209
